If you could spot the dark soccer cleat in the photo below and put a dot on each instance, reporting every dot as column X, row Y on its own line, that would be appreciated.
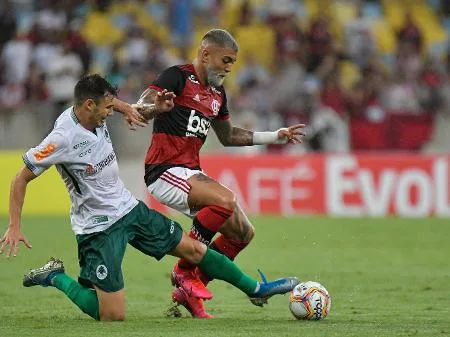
column 268, row 289
column 43, row 276
column 193, row 304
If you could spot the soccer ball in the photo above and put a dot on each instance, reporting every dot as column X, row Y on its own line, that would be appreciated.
column 310, row 300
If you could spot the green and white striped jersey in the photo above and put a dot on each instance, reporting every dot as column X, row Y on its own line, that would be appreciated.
column 87, row 163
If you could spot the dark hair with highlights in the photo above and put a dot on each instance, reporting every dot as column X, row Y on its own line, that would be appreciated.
column 93, row 87
column 221, row 38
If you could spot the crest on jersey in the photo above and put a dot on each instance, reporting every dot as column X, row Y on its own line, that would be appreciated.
column 193, row 79
column 102, row 272
column 215, row 106
column 196, row 98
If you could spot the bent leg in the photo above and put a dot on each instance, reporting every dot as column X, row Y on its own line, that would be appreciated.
column 189, row 249
column 219, row 266
column 84, row 298
column 97, row 303
column 236, row 229
column 111, row 305
column 214, row 264
column 215, row 204
column 237, row 232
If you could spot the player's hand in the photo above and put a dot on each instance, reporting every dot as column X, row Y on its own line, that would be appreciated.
column 164, row 100
column 293, row 134
column 134, row 118
column 10, row 241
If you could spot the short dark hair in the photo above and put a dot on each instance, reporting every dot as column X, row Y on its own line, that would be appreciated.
column 92, row 87
column 221, row 38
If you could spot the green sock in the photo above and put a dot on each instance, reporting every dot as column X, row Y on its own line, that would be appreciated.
column 221, row 267
column 84, row 298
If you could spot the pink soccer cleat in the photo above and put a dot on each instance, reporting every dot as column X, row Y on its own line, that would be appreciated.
column 193, row 304
column 188, row 280
column 202, row 276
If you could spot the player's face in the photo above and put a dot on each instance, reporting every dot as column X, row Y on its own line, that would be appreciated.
column 102, row 110
column 219, row 64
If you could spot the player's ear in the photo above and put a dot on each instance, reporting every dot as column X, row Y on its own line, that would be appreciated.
column 205, row 55
column 90, row 104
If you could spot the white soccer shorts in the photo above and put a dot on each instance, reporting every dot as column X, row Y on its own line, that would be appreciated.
column 172, row 189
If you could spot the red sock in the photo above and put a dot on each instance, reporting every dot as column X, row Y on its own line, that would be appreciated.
column 228, row 247
column 205, row 225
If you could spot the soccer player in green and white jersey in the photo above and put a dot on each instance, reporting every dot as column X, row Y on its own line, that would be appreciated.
column 105, row 216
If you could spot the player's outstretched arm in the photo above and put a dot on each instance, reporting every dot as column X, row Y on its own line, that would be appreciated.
column 13, row 236
column 230, row 135
column 131, row 114
column 153, row 102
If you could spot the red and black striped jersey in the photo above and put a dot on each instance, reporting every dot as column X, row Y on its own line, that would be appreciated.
column 179, row 134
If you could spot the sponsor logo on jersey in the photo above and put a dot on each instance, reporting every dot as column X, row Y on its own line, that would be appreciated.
column 196, row 98
column 193, row 79
column 197, row 125
column 101, row 272
column 89, row 169
column 216, row 91
column 101, row 165
column 215, row 106
column 82, row 144
column 85, row 153
column 45, row 152
column 100, row 219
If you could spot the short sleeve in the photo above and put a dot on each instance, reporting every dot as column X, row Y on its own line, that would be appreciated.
column 49, row 152
column 171, row 79
column 223, row 114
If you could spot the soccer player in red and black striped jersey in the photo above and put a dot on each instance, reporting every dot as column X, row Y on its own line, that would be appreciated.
column 185, row 101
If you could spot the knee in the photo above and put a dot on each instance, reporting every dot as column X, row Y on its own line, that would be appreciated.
column 250, row 233
column 228, row 201
column 112, row 315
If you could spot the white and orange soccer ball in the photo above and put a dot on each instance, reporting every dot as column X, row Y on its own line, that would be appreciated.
column 310, row 301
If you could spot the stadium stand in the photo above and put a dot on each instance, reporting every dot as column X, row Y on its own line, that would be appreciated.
column 379, row 52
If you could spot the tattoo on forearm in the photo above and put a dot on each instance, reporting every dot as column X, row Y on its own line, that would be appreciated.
column 241, row 137
column 148, row 96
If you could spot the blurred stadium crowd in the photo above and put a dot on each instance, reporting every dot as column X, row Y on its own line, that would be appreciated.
column 364, row 75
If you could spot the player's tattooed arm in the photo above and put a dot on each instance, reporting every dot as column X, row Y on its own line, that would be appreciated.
column 230, row 135
column 131, row 115
column 148, row 96
column 153, row 102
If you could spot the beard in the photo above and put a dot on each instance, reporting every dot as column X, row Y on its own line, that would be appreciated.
column 214, row 78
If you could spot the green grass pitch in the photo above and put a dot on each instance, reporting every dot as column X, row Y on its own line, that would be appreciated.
column 387, row 277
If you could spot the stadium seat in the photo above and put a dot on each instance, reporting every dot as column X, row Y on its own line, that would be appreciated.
column 99, row 30
column 263, row 47
column 342, row 12
column 365, row 135
column 385, row 36
column 372, row 10
column 446, row 23
column 349, row 73
column 411, row 132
